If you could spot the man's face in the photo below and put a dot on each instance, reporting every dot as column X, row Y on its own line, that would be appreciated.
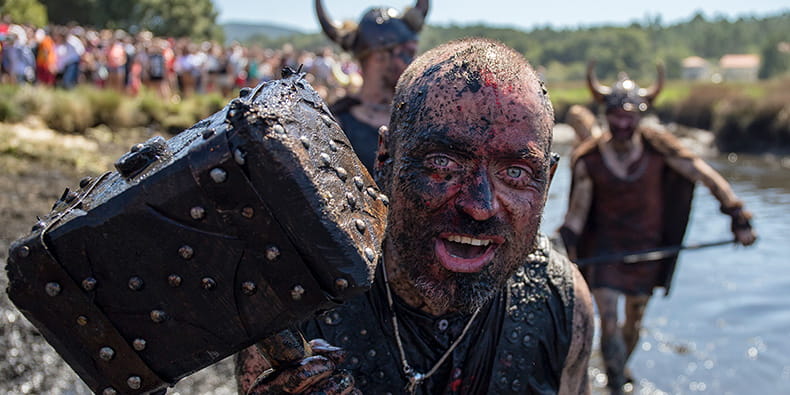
column 469, row 184
column 399, row 58
column 622, row 123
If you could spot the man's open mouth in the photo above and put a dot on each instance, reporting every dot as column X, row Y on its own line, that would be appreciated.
column 465, row 253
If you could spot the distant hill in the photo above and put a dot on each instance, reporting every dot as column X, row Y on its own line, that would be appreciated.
column 241, row 31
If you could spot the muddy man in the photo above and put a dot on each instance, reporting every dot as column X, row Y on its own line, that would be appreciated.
column 469, row 298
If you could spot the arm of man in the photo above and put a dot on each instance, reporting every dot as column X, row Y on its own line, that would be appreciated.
column 696, row 169
column 574, row 373
column 578, row 208
column 583, row 122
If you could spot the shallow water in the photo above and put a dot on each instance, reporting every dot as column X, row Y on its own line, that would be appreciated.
column 724, row 328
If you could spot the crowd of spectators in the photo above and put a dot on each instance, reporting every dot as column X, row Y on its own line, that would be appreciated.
column 65, row 56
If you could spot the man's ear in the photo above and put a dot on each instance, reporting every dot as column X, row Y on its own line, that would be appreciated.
column 383, row 152
column 553, row 163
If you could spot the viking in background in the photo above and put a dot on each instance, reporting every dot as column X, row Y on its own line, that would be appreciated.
column 631, row 190
column 384, row 42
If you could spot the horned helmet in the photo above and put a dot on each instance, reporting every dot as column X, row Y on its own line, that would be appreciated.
column 625, row 93
column 379, row 28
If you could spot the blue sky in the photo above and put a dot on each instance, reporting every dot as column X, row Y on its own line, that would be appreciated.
column 524, row 14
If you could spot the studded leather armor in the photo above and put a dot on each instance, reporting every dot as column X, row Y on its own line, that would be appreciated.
column 518, row 343
column 196, row 247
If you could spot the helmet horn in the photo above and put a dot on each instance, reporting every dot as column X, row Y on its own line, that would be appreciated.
column 650, row 93
column 333, row 30
column 598, row 91
column 414, row 17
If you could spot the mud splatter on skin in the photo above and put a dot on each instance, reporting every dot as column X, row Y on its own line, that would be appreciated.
column 468, row 155
column 472, row 79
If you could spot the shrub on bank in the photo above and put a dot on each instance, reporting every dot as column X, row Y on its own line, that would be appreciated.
column 696, row 108
column 744, row 117
column 9, row 109
column 755, row 124
column 70, row 113
column 77, row 110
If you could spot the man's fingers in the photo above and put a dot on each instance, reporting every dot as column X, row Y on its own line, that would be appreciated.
column 322, row 347
column 321, row 344
column 312, row 370
column 340, row 383
column 294, row 380
column 313, row 374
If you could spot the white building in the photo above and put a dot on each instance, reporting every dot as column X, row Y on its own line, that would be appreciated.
column 695, row 68
column 739, row 67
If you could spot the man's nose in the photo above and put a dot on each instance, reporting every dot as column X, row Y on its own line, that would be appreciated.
column 478, row 199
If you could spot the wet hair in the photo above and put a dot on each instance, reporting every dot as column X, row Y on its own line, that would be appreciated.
column 463, row 60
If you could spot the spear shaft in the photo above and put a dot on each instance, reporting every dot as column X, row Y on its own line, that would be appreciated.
column 652, row 254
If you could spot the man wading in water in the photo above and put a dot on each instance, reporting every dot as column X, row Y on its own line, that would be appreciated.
column 631, row 190
column 469, row 298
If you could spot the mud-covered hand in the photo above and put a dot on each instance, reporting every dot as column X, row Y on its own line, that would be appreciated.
column 741, row 225
column 317, row 373
column 745, row 236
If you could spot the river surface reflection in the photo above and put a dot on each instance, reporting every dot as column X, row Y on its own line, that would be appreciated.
column 724, row 328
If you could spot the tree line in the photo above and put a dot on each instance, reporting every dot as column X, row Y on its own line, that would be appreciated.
column 168, row 18
column 564, row 52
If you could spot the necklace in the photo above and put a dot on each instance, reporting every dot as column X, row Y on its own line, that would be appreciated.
column 416, row 378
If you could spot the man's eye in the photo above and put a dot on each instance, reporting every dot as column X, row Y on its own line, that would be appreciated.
column 517, row 176
column 514, row 172
column 440, row 161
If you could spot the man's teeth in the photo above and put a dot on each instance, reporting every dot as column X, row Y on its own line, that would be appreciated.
column 468, row 240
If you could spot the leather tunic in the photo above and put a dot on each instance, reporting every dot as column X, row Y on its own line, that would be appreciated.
column 517, row 344
column 363, row 137
column 627, row 216
column 648, row 209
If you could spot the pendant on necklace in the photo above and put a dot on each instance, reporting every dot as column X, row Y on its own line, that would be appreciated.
column 415, row 379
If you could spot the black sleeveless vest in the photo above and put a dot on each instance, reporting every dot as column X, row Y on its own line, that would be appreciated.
column 363, row 137
column 517, row 344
